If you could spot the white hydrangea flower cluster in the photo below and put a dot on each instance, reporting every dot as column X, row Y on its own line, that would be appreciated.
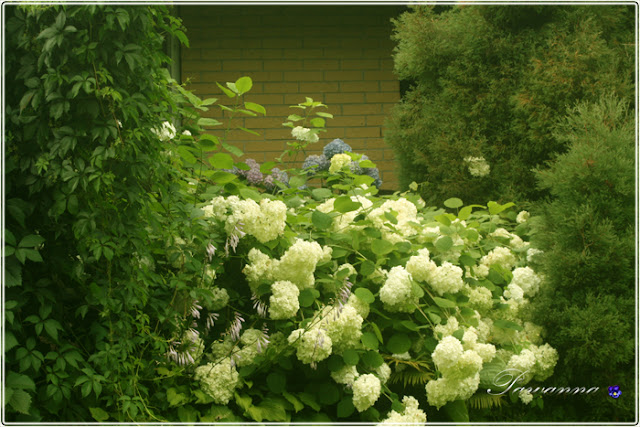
column 383, row 372
column 304, row 134
column 250, row 347
column 345, row 221
column 470, row 342
column 264, row 221
column 339, row 161
column 480, row 297
column 312, row 345
column 366, row 391
column 343, row 326
column 501, row 256
column 536, row 362
column 515, row 241
column 460, row 371
column 407, row 217
column 345, row 375
column 297, row 265
column 449, row 328
column 523, row 216
column 525, row 396
column 478, row 166
column 283, row 302
column 397, row 292
column 412, row 414
column 220, row 298
column 442, row 279
column 361, row 307
column 527, row 280
column 218, row 380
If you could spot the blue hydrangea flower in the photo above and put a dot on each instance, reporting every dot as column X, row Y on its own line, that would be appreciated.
column 337, row 146
column 315, row 163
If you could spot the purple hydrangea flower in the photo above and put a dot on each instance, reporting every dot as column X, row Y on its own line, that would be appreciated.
column 337, row 146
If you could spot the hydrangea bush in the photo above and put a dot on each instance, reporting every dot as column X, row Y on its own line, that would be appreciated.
column 150, row 283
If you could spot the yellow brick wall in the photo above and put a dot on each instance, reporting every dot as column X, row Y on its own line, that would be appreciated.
column 338, row 55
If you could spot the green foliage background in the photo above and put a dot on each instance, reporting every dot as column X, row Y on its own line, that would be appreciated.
column 491, row 81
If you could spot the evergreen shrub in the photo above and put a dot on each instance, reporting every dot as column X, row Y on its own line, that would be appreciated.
column 490, row 82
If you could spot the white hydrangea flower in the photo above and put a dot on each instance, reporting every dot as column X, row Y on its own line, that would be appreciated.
column 420, row 266
column 478, row 166
column 366, row 391
column 312, row 346
column 344, row 327
column 449, row 328
column 480, row 297
column 406, row 215
column 297, row 265
column 501, row 256
column 445, row 389
column 514, row 292
column 218, row 380
column 412, row 414
column 339, row 161
column 447, row 353
column 345, row 375
column 304, row 134
column 220, row 298
column 523, row 216
column 361, row 307
column 345, row 221
column 397, row 291
column 527, row 279
column 532, row 253
column 249, row 347
column 283, row 303
column 525, row 396
column 383, row 372
column 523, row 363
column 446, row 278
column 546, row 359
column 186, row 132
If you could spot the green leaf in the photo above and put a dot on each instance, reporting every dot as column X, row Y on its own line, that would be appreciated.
column 507, row 324
column 444, row 303
column 232, row 149
column 367, row 268
column 186, row 154
column 376, row 330
column 222, row 177
column 297, row 181
column 205, row 121
column 453, row 203
column 252, row 132
column 321, row 220
column 443, row 219
column 369, row 340
column 344, row 204
column 350, row 357
column 457, row 411
column 496, row 208
column 307, row 297
column 221, row 161
column 381, row 247
column 323, row 114
column 10, row 341
column 297, row 405
column 444, row 243
column 19, row 381
column 226, row 91
column 255, row 107
column 243, row 85
column 276, row 382
column 99, row 414
column 321, row 193
column 317, row 122
column 399, row 343
column 267, row 166
column 345, row 407
column 20, row 401
column 327, row 393
column 174, row 398
column 365, row 295
column 309, row 400
column 372, row 358
column 335, row 363
column 367, row 164
column 31, row 241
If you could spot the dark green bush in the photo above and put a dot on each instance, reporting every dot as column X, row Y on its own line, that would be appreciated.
column 586, row 231
column 491, row 81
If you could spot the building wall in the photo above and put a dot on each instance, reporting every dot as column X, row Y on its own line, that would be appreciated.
column 338, row 55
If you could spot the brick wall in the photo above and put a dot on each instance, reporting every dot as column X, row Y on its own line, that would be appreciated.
column 338, row 55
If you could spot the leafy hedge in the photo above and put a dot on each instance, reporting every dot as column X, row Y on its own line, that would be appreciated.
column 147, row 283
column 488, row 84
